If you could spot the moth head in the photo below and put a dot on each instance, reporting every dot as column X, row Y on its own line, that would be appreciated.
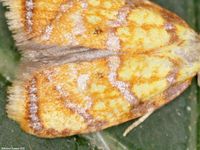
column 189, row 52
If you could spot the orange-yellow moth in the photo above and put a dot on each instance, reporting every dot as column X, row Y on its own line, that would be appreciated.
column 93, row 64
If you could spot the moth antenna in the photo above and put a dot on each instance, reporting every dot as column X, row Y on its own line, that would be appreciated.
column 138, row 122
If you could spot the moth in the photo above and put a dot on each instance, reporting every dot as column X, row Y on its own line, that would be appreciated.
column 91, row 64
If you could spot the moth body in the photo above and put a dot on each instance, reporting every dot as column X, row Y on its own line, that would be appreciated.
column 92, row 64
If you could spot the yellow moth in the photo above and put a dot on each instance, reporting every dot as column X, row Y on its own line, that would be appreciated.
column 92, row 64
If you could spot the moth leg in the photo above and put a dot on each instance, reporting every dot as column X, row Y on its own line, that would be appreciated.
column 138, row 122
column 198, row 78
